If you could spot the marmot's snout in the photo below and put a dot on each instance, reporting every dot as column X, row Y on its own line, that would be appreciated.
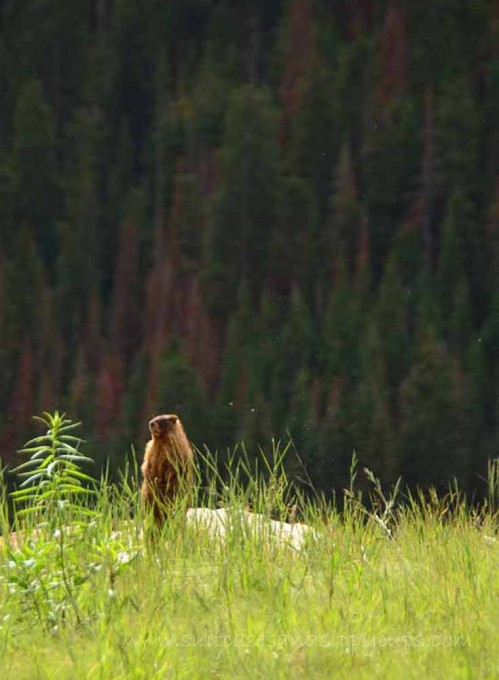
column 161, row 424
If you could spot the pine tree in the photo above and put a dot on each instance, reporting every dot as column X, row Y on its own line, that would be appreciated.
column 118, row 196
column 462, row 252
column 300, row 55
column 211, row 92
column 303, row 426
column 34, row 168
column 22, row 284
column 124, row 315
column 236, row 366
column 291, row 246
column 314, row 138
column 458, row 118
column 353, row 83
column 48, row 352
column 391, row 318
column 21, row 404
column 392, row 152
column 344, row 225
column 133, row 427
column 181, row 391
column 489, row 336
column 341, row 328
column 337, row 439
column 238, row 235
column 187, row 220
column 481, row 438
column 109, row 390
column 80, row 263
column 431, row 443
column 374, row 422
column 446, row 38
column 394, row 54
column 293, row 352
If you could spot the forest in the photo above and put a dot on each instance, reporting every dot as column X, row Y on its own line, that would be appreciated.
column 278, row 219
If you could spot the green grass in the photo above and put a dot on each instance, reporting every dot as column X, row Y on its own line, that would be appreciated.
column 410, row 593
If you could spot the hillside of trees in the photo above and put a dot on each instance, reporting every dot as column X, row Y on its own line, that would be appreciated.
column 276, row 218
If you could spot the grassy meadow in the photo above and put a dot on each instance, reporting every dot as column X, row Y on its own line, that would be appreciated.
column 409, row 590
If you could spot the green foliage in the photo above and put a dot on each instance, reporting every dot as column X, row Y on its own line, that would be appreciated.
column 57, row 507
column 50, row 497
column 53, row 481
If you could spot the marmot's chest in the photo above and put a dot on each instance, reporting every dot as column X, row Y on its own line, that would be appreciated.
column 164, row 455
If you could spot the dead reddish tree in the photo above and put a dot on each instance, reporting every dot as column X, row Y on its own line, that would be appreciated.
column 124, row 310
column 394, row 57
column 300, row 58
column 22, row 403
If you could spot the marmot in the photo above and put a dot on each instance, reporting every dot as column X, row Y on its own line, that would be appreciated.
column 168, row 467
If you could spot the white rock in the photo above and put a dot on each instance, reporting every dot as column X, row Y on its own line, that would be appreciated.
column 219, row 522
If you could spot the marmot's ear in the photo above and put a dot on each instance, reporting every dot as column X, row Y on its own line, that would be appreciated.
column 174, row 419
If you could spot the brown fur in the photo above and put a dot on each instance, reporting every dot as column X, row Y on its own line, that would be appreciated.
column 168, row 467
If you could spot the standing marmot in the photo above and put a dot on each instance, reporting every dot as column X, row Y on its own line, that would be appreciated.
column 168, row 466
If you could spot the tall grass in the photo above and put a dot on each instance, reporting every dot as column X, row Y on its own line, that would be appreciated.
column 402, row 590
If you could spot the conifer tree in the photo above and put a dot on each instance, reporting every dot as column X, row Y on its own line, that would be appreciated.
column 374, row 423
column 337, row 438
column 313, row 143
column 392, row 152
column 300, row 55
column 34, row 168
column 394, row 54
column 179, row 390
column 431, row 442
column 292, row 247
column 341, row 327
column 342, row 232
column 457, row 117
column 22, row 284
column 187, row 220
column 133, row 427
column 462, row 252
column 390, row 315
column 238, row 230
column 236, row 366
column 80, row 264
column 294, row 351
column 489, row 335
column 123, row 329
column 303, row 426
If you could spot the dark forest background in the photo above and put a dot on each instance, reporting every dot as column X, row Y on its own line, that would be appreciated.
column 276, row 218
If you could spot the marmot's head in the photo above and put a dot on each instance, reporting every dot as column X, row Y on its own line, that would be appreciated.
column 160, row 426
